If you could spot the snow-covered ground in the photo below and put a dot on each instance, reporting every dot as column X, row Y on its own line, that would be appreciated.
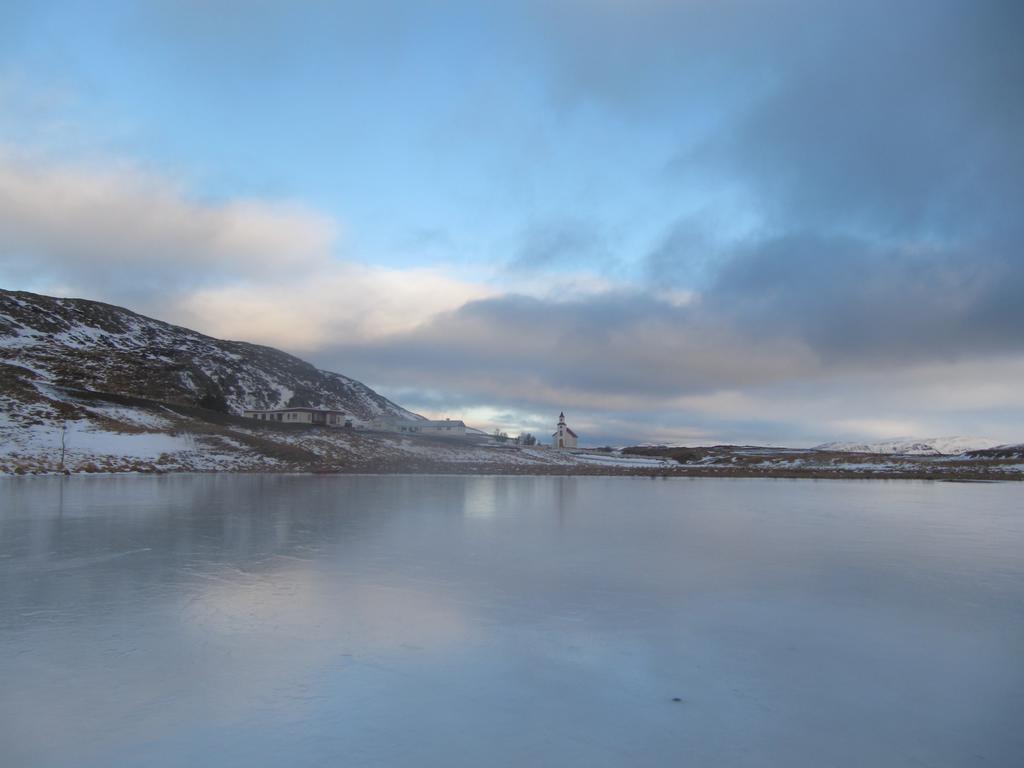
column 910, row 446
column 103, row 436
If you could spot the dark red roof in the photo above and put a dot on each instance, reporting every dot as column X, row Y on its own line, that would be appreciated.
column 571, row 432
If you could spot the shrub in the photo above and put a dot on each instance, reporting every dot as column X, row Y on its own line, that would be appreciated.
column 213, row 400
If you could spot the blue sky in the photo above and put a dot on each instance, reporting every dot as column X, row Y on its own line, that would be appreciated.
column 681, row 221
column 415, row 127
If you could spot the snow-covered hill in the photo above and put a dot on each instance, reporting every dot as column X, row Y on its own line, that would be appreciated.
column 907, row 446
column 47, row 344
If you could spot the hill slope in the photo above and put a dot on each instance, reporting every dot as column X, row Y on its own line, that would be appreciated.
column 99, row 347
column 908, row 446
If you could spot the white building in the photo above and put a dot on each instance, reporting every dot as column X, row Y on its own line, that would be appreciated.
column 317, row 416
column 563, row 437
column 425, row 427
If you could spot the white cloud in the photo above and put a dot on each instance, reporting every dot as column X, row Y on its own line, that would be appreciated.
column 114, row 217
column 333, row 303
column 248, row 269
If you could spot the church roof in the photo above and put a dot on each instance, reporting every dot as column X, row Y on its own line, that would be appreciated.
column 561, row 423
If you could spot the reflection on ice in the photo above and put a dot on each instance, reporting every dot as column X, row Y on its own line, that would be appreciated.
column 273, row 620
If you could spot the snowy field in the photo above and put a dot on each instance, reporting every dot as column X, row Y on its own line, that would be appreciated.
column 103, row 437
column 96, row 435
column 269, row 620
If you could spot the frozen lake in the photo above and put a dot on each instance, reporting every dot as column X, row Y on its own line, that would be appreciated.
column 487, row 621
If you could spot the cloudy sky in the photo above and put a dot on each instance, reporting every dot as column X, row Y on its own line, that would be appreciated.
column 695, row 221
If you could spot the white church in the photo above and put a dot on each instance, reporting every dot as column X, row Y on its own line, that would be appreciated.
column 564, row 437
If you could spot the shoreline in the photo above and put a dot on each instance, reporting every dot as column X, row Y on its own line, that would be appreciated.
column 977, row 476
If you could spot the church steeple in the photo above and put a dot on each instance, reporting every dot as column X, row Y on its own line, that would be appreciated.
column 563, row 437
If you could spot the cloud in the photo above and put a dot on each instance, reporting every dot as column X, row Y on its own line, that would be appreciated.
column 253, row 269
column 868, row 119
column 684, row 255
column 786, row 310
column 648, row 58
column 558, row 243
column 595, row 350
column 308, row 311
column 100, row 221
column 908, row 123
column 978, row 398
column 859, row 303
column 798, row 339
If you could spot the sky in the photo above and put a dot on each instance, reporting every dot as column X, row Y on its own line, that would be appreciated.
column 691, row 222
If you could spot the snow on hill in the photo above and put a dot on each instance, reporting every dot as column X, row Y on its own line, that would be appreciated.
column 74, row 343
column 936, row 446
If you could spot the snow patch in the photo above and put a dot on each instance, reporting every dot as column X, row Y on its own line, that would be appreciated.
column 907, row 446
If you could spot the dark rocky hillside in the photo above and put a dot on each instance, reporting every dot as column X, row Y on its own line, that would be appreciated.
column 80, row 344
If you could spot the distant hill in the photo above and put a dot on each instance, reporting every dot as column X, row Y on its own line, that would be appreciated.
column 88, row 345
column 907, row 446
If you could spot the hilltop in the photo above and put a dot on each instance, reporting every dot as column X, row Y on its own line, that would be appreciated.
column 103, row 348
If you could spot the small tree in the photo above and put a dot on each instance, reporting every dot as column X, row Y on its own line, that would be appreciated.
column 213, row 399
column 527, row 439
column 299, row 400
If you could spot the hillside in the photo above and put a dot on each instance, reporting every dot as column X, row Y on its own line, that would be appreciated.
column 102, row 348
column 909, row 446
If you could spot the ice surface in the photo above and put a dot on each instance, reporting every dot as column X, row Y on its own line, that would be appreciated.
column 509, row 621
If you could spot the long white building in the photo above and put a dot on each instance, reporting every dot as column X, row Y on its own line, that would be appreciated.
column 315, row 416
